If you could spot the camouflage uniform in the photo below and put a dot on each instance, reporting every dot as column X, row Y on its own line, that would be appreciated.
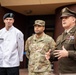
column 35, row 52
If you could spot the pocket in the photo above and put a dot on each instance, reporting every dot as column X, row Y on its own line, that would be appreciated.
column 1, row 40
column 70, row 41
column 41, row 67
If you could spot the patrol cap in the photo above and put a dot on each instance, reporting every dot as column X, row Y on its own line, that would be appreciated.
column 67, row 12
column 39, row 22
column 8, row 15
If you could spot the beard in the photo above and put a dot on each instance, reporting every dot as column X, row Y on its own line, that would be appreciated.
column 38, row 33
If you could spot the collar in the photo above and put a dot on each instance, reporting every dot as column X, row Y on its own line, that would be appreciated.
column 73, row 29
column 39, row 39
column 9, row 28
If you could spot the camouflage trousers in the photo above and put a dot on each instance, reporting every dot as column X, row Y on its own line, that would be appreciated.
column 41, row 73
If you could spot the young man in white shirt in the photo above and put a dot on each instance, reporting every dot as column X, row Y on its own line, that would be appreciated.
column 11, row 47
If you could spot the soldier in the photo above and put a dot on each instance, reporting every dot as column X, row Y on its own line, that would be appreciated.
column 66, row 44
column 11, row 47
column 36, row 47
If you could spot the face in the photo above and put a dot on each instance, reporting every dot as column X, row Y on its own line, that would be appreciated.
column 68, row 22
column 39, row 29
column 8, row 22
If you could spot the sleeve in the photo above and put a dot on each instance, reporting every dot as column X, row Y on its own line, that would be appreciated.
column 27, row 48
column 52, row 44
column 72, row 53
column 53, row 47
column 20, row 45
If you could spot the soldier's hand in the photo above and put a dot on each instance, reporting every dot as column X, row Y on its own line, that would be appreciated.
column 47, row 55
column 61, row 53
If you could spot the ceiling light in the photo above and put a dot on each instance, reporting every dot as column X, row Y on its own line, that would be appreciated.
column 28, row 12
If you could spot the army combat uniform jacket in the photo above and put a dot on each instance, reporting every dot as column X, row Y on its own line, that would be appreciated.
column 68, row 40
column 35, row 52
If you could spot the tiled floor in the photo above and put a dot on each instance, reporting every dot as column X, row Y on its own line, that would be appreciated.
column 25, row 72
